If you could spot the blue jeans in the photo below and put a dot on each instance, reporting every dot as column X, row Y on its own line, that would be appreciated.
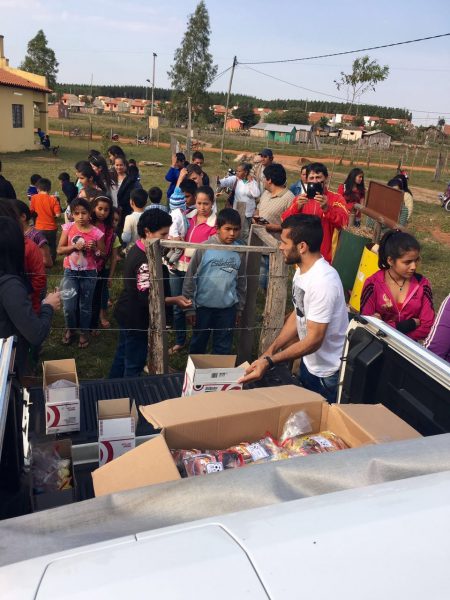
column 222, row 321
column 179, row 318
column 131, row 354
column 325, row 386
column 80, row 306
column 264, row 272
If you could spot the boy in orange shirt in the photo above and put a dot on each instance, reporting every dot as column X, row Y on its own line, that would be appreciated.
column 47, row 209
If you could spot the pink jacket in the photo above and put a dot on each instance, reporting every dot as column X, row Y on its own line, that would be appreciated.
column 376, row 297
column 198, row 233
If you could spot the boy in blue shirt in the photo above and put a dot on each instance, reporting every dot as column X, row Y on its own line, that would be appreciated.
column 32, row 189
column 178, row 163
column 216, row 283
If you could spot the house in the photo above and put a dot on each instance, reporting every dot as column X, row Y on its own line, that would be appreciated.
column 280, row 133
column 218, row 110
column 138, row 107
column 20, row 94
column 258, row 130
column 262, row 112
column 446, row 130
column 234, row 124
column 58, row 111
column 72, row 102
column 351, row 135
column 314, row 117
column 371, row 121
column 375, row 139
column 302, row 132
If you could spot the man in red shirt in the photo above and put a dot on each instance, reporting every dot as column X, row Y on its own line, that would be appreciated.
column 330, row 207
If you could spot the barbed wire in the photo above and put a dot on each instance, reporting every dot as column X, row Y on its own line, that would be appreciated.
column 61, row 277
column 170, row 330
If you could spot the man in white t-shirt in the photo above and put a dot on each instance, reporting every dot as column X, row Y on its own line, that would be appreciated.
column 315, row 330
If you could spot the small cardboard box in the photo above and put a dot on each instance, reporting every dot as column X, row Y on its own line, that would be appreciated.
column 220, row 420
column 57, row 498
column 116, row 428
column 62, row 405
column 211, row 373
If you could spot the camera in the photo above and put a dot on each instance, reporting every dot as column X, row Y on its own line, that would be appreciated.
column 313, row 188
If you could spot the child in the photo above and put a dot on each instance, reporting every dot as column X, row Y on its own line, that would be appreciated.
column 132, row 311
column 396, row 294
column 80, row 242
column 47, row 209
column 32, row 189
column 199, row 159
column 87, row 179
column 138, row 200
column 178, row 163
column 105, row 302
column 133, row 169
column 102, row 217
column 68, row 187
column 31, row 233
column 216, row 283
column 155, row 196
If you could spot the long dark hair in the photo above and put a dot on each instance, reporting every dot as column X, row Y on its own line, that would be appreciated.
column 125, row 162
column 395, row 244
column 12, row 247
column 103, row 178
column 349, row 183
column 109, row 219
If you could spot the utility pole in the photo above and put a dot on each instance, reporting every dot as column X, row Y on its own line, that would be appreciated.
column 92, row 79
column 153, row 97
column 226, row 108
column 189, row 138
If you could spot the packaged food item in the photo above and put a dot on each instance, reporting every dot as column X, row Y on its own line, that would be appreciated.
column 266, row 449
column 212, row 461
column 50, row 472
column 318, row 443
column 329, row 441
column 297, row 423
column 179, row 456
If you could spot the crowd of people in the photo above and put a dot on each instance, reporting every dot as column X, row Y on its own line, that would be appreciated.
column 109, row 216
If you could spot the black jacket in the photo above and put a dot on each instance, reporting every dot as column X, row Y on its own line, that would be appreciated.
column 18, row 318
column 6, row 189
column 129, row 184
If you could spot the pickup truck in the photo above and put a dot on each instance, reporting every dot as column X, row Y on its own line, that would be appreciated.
column 373, row 519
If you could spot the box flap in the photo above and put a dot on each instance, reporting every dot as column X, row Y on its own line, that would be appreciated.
column 213, row 361
column 377, row 421
column 113, row 409
column 147, row 464
column 53, row 370
column 179, row 411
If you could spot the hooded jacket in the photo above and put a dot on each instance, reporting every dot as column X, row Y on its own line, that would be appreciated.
column 376, row 297
column 18, row 318
column 216, row 278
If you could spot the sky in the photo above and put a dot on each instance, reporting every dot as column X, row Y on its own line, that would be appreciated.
column 113, row 41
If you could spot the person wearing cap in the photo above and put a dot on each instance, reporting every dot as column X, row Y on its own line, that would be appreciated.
column 266, row 159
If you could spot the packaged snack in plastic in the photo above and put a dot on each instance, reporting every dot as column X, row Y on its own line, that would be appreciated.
column 318, row 443
column 266, row 449
column 212, row 461
column 50, row 472
column 329, row 441
column 179, row 456
column 297, row 423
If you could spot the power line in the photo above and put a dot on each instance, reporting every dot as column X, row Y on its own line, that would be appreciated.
column 219, row 75
column 287, row 60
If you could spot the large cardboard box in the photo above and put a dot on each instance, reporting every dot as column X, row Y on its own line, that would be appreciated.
column 211, row 373
column 222, row 419
column 45, row 500
column 62, row 405
column 116, row 428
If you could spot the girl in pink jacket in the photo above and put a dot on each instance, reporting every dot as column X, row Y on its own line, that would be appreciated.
column 396, row 293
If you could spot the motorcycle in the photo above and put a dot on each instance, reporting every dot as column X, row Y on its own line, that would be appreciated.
column 445, row 199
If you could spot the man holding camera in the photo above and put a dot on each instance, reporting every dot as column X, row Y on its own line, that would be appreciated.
column 320, row 201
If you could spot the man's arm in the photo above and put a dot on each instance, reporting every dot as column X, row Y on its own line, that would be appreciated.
column 189, row 283
column 311, row 343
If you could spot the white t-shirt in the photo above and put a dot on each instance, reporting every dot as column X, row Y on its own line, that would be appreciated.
column 130, row 233
column 318, row 296
column 245, row 191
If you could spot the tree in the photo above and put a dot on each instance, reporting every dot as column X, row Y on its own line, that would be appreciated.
column 292, row 115
column 245, row 113
column 441, row 123
column 323, row 122
column 193, row 70
column 41, row 59
column 365, row 76
column 359, row 121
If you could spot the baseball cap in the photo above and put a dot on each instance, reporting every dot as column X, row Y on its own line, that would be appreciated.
column 266, row 152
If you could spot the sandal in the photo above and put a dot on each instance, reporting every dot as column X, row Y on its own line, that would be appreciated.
column 176, row 349
column 105, row 324
column 67, row 338
column 83, row 342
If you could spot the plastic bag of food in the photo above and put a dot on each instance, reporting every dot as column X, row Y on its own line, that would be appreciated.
column 211, row 461
column 318, row 443
column 179, row 456
column 50, row 472
column 264, row 450
column 329, row 441
column 297, row 423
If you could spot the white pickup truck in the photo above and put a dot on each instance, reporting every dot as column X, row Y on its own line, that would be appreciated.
column 371, row 522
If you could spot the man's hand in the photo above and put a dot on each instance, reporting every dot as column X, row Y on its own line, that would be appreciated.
column 301, row 201
column 272, row 228
column 237, row 323
column 191, row 320
column 255, row 371
column 183, row 302
column 323, row 201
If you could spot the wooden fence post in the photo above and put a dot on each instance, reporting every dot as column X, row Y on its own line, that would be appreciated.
column 158, row 354
column 248, row 318
column 274, row 310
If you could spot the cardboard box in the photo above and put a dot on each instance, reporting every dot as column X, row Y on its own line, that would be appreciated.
column 58, row 498
column 62, row 405
column 220, row 420
column 211, row 373
column 116, row 428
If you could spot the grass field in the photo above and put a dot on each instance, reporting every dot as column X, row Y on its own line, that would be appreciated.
column 430, row 224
